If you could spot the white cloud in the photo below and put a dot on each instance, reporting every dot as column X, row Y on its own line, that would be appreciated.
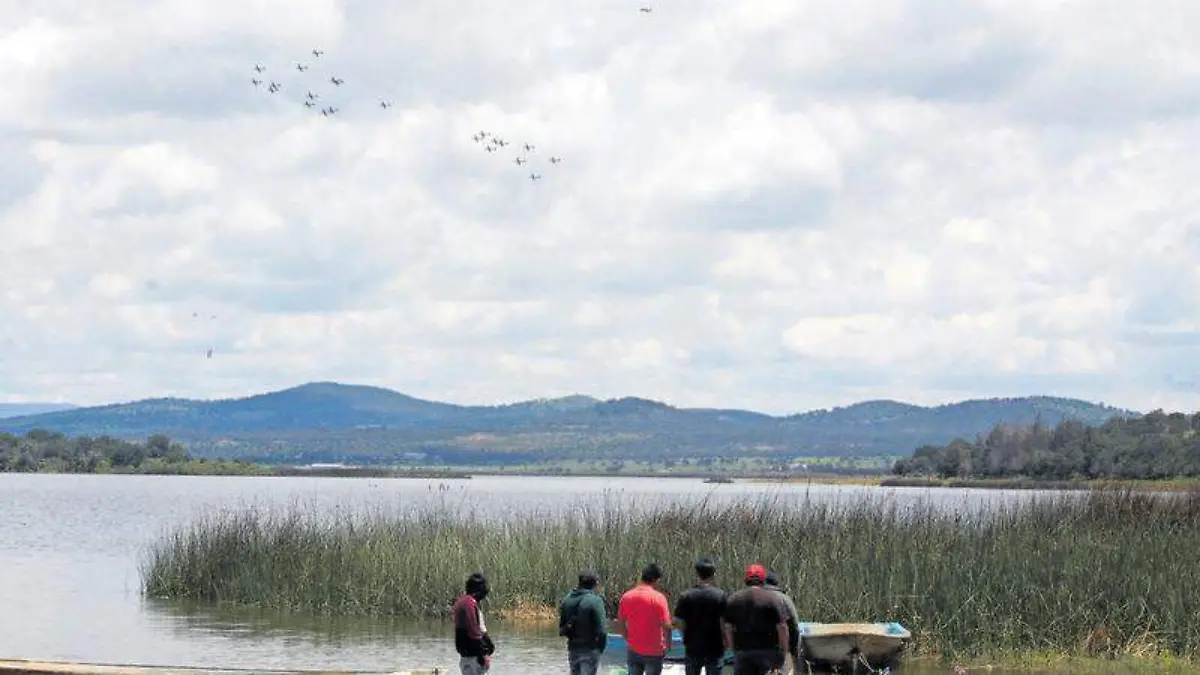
column 772, row 205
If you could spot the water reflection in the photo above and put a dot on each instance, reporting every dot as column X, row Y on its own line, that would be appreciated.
column 262, row 639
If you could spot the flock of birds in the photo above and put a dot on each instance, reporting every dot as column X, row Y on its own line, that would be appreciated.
column 490, row 142
column 310, row 98
column 493, row 143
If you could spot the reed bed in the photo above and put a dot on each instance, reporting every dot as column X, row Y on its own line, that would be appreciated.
column 1108, row 572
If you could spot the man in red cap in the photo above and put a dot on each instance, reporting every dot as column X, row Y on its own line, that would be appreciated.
column 756, row 627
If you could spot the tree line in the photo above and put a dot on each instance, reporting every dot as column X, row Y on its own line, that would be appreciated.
column 49, row 451
column 1154, row 446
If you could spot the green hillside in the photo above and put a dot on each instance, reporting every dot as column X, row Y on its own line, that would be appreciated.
column 336, row 422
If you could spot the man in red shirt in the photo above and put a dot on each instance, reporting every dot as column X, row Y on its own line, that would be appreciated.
column 644, row 620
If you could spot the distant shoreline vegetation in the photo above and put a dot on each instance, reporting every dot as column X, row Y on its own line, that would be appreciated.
column 41, row 451
column 1154, row 447
column 1106, row 573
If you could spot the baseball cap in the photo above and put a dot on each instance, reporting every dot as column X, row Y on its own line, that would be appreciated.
column 756, row 572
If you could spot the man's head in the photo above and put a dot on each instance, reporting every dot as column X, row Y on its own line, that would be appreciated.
column 477, row 586
column 772, row 579
column 756, row 575
column 705, row 569
column 588, row 580
column 652, row 574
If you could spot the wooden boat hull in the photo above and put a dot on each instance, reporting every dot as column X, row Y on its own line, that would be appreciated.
column 28, row 667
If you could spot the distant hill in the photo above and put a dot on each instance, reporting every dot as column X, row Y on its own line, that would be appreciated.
column 329, row 421
column 18, row 409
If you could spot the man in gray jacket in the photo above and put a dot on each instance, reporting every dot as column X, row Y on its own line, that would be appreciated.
column 582, row 620
column 793, row 617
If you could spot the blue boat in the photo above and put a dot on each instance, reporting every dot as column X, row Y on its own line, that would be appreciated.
column 617, row 649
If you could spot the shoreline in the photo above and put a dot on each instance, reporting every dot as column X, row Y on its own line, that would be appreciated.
column 244, row 468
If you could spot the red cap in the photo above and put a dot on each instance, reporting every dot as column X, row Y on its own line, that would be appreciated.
column 756, row 572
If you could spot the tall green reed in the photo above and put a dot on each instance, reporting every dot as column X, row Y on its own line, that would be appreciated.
column 1042, row 574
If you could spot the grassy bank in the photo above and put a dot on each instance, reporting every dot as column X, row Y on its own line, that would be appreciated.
column 1110, row 573
column 1164, row 484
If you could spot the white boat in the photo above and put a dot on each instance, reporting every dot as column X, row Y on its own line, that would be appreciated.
column 877, row 645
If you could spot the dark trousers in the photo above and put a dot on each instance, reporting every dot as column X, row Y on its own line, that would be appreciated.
column 583, row 661
column 709, row 665
column 757, row 661
column 643, row 665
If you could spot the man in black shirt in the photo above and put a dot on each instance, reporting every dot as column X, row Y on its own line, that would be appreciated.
column 756, row 626
column 698, row 614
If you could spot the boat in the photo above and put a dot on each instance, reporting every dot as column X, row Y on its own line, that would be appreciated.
column 823, row 646
column 30, row 667
column 845, row 645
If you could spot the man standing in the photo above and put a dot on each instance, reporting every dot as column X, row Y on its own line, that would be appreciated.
column 756, row 626
column 644, row 620
column 698, row 614
column 793, row 617
column 582, row 621
column 471, row 639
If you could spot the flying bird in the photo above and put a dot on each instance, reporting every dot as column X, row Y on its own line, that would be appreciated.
column 312, row 96
column 317, row 53
column 259, row 67
column 308, row 104
column 555, row 160
column 535, row 176
column 301, row 67
column 647, row 10
column 519, row 161
column 274, row 87
column 528, row 148
column 329, row 111
column 385, row 104
column 256, row 81
column 336, row 81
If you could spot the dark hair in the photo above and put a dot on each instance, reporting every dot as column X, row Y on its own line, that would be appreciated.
column 705, row 569
column 588, row 579
column 477, row 585
column 651, row 573
column 772, row 579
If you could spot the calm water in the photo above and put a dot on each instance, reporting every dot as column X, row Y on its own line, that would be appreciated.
column 70, row 548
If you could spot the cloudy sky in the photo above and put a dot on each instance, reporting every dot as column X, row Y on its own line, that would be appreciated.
column 766, row 204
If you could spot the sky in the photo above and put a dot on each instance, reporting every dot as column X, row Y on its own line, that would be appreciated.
column 763, row 204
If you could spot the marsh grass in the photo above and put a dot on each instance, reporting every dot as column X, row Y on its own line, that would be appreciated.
column 1106, row 573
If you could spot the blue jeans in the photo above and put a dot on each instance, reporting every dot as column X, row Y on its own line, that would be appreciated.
column 709, row 665
column 643, row 665
column 584, row 661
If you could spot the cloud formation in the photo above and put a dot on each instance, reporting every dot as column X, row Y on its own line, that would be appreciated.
column 771, row 205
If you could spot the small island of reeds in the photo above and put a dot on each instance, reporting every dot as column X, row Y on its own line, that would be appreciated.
column 1105, row 573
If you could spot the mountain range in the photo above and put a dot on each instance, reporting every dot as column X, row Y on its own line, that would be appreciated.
column 326, row 421
column 19, row 409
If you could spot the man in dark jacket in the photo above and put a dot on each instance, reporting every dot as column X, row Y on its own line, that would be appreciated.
column 756, row 626
column 698, row 614
column 471, row 638
column 793, row 617
column 582, row 620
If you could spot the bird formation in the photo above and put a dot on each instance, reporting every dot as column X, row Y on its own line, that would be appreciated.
column 493, row 143
column 310, row 99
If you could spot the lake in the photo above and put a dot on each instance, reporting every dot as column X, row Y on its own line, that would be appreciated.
column 70, row 546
